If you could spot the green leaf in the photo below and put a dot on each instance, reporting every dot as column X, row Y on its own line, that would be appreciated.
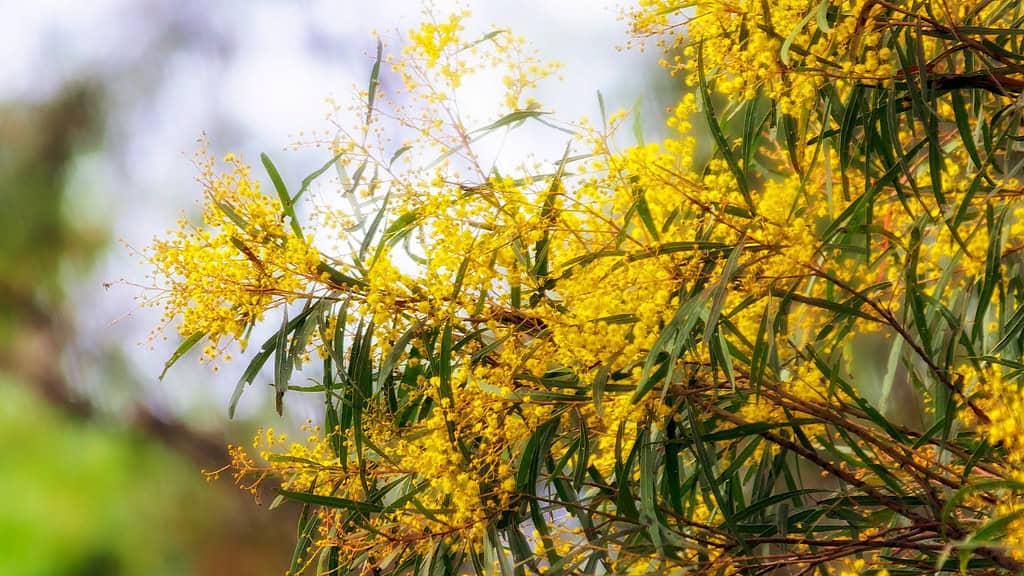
column 648, row 464
column 445, row 365
column 180, row 351
column 283, row 196
column 400, row 227
column 993, row 260
column 761, row 505
column 963, row 127
column 742, row 459
column 534, row 453
column 788, row 42
column 706, row 467
column 372, row 230
column 582, row 455
column 339, row 278
column 600, row 381
column 308, row 180
column 719, row 291
column 753, row 127
column 371, row 90
column 822, row 16
column 672, row 341
column 302, row 332
column 1012, row 330
column 308, row 525
column 282, row 368
column 638, row 128
column 398, row 154
column 644, row 211
column 260, row 359
column 232, row 215
column 673, row 480
column 704, row 95
column 396, row 352
column 358, row 507
column 287, row 459
column 248, row 376
column 485, row 350
column 865, row 199
column 513, row 119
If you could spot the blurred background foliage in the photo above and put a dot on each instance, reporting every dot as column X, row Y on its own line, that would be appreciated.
column 89, row 490
column 97, row 479
column 93, row 499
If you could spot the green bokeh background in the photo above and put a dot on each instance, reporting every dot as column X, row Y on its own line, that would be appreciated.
column 82, row 498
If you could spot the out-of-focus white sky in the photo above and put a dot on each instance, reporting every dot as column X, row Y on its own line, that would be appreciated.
column 250, row 73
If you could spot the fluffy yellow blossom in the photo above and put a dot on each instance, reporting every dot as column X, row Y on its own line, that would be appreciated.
column 221, row 277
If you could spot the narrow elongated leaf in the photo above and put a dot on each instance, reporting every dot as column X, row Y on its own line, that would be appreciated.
column 371, row 90
column 707, row 470
column 533, row 455
column 282, row 194
column 282, row 371
column 183, row 348
column 711, row 119
column 358, row 507
column 308, row 180
column 398, row 349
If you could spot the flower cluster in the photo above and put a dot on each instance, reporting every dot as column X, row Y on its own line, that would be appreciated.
column 221, row 278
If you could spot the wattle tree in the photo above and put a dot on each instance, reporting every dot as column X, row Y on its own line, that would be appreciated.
column 786, row 339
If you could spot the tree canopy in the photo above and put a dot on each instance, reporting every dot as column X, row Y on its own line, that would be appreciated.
column 785, row 339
